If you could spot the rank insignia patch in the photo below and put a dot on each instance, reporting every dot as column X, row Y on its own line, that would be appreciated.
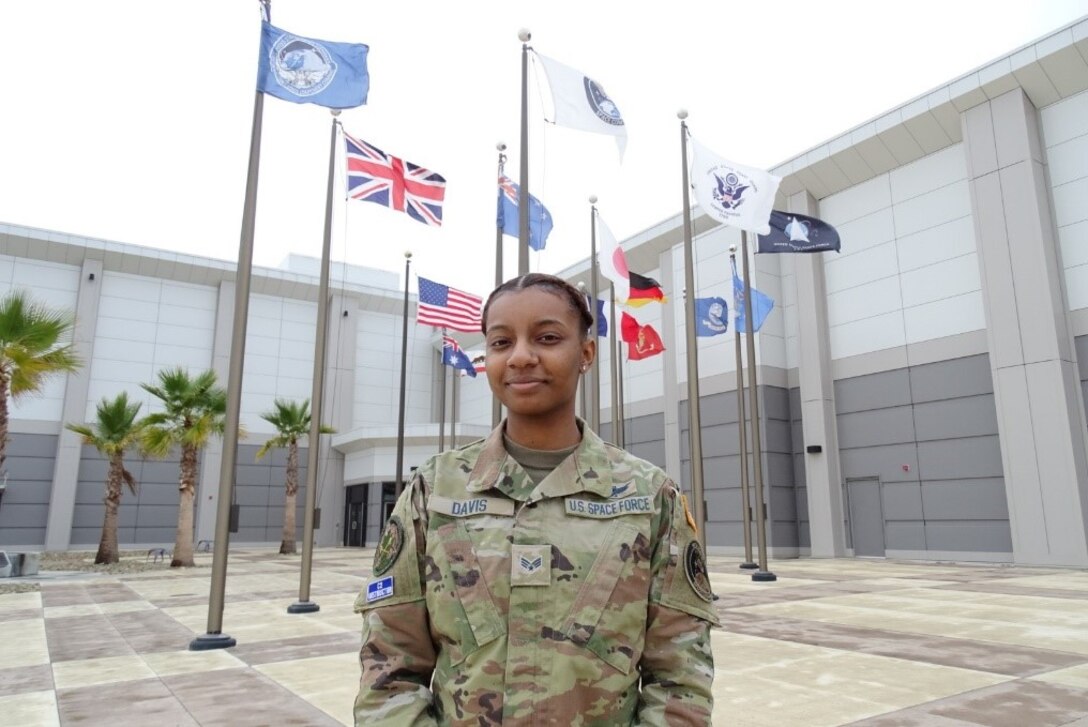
column 389, row 547
column 695, row 570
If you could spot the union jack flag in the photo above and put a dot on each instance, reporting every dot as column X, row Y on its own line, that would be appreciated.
column 374, row 176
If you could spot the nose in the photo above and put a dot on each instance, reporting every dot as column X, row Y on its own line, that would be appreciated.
column 522, row 354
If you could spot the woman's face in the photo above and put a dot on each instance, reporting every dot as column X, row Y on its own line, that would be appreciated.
column 535, row 353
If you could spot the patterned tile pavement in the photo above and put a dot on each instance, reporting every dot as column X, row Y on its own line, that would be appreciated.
column 831, row 642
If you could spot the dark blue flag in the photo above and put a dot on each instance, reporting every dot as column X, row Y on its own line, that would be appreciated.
column 307, row 70
column 761, row 305
column 540, row 219
column 453, row 355
column 602, row 320
column 791, row 232
column 711, row 316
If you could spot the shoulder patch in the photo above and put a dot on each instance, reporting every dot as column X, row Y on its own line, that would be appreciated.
column 389, row 546
column 695, row 570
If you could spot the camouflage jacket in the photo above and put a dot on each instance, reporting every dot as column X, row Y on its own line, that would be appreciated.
column 586, row 602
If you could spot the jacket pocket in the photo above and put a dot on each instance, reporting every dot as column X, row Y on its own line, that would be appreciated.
column 463, row 610
column 608, row 616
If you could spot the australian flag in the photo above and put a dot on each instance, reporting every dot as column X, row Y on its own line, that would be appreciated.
column 374, row 176
column 540, row 219
column 792, row 232
column 453, row 355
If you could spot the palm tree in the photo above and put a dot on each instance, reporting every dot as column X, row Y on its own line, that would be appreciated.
column 291, row 420
column 115, row 430
column 195, row 410
column 34, row 344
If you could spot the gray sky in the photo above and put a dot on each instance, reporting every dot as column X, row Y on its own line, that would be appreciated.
column 130, row 120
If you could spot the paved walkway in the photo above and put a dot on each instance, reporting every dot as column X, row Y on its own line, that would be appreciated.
column 843, row 642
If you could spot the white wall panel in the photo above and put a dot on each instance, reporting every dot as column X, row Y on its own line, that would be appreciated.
column 849, row 271
column 858, row 201
column 947, row 279
column 935, row 244
column 1065, row 135
column 936, row 170
column 932, row 208
column 864, row 301
column 146, row 325
column 945, row 317
column 868, row 334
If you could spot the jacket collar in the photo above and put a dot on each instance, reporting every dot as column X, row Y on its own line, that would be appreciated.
column 587, row 469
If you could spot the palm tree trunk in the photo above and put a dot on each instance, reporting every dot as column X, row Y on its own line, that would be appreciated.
column 107, row 546
column 287, row 545
column 183, row 541
column 4, row 390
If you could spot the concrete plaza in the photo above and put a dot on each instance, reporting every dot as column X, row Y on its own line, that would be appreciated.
column 831, row 642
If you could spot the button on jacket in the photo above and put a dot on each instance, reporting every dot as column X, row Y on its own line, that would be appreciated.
column 571, row 602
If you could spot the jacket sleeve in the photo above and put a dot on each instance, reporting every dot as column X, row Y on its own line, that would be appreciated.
column 677, row 663
column 398, row 656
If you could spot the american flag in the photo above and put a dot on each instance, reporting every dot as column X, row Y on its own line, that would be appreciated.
column 374, row 176
column 444, row 307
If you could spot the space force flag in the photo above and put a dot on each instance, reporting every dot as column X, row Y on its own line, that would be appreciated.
column 791, row 232
column 732, row 193
column 540, row 219
column 307, row 70
column 711, row 316
column 581, row 103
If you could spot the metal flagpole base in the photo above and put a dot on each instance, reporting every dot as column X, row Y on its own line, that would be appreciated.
column 207, row 642
column 748, row 566
column 303, row 607
column 763, row 576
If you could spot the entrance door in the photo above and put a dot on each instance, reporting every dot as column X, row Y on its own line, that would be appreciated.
column 866, row 516
column 355, row 525
column 355, row 516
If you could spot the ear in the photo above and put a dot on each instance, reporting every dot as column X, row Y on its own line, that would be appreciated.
column 589, row 352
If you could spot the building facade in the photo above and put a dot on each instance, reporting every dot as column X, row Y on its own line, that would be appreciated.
column 921, row 393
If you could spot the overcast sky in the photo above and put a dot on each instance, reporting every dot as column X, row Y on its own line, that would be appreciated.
column 130, row 120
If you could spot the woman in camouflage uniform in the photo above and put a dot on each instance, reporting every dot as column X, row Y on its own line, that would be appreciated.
column 540, row 576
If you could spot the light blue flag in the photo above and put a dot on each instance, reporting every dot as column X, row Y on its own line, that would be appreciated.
column 540, row 219
column 307, row 70
column 761, row 305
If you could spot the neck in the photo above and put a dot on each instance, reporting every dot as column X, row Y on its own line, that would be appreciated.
column 545, row 435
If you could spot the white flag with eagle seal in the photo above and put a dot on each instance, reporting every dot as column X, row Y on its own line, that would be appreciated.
column 581, row 103
column 732, row 193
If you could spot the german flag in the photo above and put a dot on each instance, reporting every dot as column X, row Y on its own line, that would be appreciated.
column 644, row 290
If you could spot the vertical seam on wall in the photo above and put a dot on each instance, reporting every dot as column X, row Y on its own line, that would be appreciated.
column 910, row 388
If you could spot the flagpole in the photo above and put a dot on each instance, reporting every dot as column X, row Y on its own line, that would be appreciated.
column 523, row 194
column 617, row 397
column 454, row 400
column 215, row 638
column 442, row 398
column 757, row 466
column 496, row 405
column 594, row 368
column 313, row 451
column 695, row 432
column 746, row 507
column 583, row 383
column 403, row 374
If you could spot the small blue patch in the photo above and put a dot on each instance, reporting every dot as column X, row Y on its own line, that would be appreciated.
column 377, row 590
